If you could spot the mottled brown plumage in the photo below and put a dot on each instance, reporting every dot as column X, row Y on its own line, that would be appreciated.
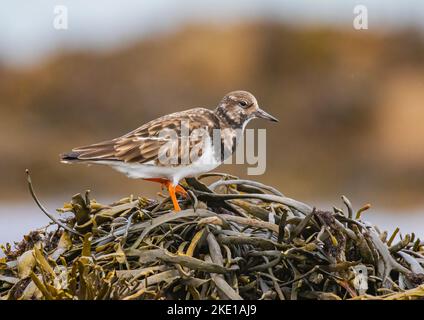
column 143, row 144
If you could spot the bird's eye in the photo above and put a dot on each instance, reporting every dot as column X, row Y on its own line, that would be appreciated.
column 242, row 103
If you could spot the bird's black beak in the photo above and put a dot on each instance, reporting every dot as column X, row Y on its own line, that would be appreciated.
column 264, row 115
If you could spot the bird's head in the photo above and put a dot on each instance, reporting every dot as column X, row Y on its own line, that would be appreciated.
column 239, row 107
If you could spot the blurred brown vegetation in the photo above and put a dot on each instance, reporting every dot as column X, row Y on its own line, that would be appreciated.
column 350, row 105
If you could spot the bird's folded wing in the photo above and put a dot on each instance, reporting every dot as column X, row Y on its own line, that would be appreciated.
column 144, row 144
column 126, row 149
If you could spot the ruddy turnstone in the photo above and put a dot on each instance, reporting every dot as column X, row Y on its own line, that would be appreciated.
column 177, row 145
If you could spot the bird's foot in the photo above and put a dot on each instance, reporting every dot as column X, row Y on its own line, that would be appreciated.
column 172, row 189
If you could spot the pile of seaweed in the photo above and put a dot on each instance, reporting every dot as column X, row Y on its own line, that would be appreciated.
column 234, row 239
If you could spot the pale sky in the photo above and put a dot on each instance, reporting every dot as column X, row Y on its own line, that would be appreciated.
column 27, row 33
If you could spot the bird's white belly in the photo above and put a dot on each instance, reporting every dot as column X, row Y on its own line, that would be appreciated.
column 205, row 163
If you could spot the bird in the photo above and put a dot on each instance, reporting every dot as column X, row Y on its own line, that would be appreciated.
column 178, row 145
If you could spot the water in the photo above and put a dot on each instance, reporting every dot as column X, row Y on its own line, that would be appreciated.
column 17, row 220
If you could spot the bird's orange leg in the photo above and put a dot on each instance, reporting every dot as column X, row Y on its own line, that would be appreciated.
column 159, row 180
column 173, row 190
column 180, row 190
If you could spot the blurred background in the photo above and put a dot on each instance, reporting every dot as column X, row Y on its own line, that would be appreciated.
column 350, row 102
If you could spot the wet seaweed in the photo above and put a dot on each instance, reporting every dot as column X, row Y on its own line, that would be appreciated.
column 234, row 239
